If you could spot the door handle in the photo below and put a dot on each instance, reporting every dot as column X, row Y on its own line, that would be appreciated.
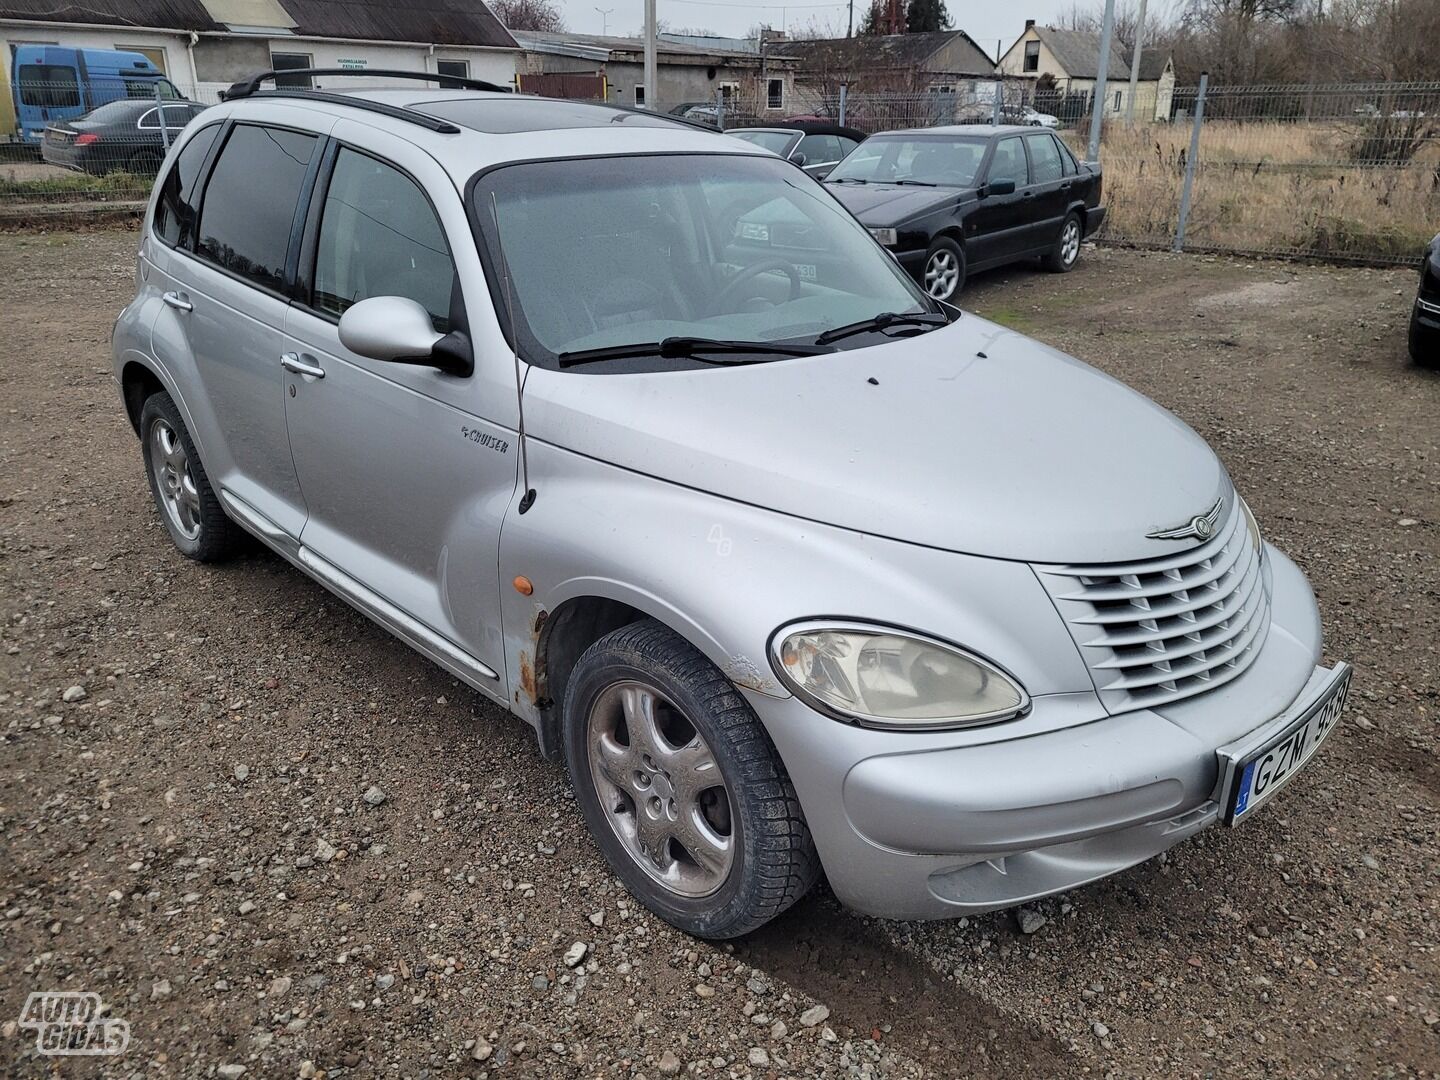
column 178, row 300
column 301, row 365
column 1028, row 195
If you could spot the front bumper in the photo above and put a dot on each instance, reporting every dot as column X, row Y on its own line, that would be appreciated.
column 913, row 832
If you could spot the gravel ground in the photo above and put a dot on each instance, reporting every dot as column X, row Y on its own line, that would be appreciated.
column 280, row 844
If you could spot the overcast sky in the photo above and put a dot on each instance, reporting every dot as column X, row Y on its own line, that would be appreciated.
column 986, row 23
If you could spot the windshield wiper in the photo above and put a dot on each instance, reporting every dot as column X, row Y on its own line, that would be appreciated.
column 846, row 180
column 689, row 348
column 883, row 321
column 915, row 183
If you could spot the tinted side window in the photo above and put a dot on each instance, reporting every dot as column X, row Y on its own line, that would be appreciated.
column 1067, row 159
column 379, row 237
column 48, row 86
column 1009, row 162
column 819, row 149
column 250, row 201
column 1044, row 158
column 175, row 210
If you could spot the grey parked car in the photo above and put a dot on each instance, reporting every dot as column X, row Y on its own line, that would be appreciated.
column 794, row 575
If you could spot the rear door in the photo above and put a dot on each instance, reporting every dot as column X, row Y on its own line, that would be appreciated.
column 47, row 84
column 220, row 328
column 1049, row 189
column 997, row 230
column 406, row 471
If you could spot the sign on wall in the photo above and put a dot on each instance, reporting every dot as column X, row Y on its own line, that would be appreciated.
column 351, row 64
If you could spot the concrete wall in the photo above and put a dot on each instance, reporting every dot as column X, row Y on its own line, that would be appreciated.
column 678, row 82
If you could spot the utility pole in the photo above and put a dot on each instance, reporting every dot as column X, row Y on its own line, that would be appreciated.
column 650, row 88
column 1135, row 63
column 605, row 14
column 1097, row 99
column 850, row 30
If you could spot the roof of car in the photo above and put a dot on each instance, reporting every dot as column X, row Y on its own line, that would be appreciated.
column 809, row 127
column 495, row 128
column 965, row 129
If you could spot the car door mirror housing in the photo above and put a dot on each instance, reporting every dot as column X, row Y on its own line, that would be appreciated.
column 1000, row 187
column 398, row 330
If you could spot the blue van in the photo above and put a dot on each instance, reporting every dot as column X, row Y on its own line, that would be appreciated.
column 52, row 82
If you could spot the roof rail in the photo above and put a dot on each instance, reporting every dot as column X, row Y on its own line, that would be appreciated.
column 247, row 87
column 395, row 112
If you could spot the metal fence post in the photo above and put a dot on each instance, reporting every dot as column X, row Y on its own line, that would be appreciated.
column 720, row 108
column 1190, row 162
column 843, row 89
column 160, row 116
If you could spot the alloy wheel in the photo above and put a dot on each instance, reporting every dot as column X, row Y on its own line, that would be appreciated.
column 660, row 788
column 171, row 466
column 1070, row 242
column 942, row 271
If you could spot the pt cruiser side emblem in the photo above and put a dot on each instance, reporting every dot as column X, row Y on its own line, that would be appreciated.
column 1201, row 526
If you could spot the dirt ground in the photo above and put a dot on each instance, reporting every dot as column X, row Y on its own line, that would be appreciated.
column 190, row 838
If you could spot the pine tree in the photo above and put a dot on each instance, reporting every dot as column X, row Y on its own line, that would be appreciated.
column 924, row 16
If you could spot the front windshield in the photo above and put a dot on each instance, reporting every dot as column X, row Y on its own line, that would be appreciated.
column 774, row 141
column 624, row 250
column 943, row 160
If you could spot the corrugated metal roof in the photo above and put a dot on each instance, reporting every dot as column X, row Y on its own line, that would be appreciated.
column 1078, row 52
column 600, row 46
column 442, row 22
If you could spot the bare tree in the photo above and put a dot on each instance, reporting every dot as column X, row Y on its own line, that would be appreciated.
column 528, row 14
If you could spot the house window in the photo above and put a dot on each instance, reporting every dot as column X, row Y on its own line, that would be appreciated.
column 282, row 61
column 729, row 91
column 943, row 88
column 639, row 97
column 154, row 55
column 775, row 94
column 1115, row 105
column 1032, row 56
column 454, row 69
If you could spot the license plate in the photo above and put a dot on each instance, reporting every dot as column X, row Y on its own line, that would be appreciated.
column 1256, row 775
column 806, row 271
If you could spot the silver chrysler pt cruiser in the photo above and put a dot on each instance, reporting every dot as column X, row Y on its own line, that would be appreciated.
column 634, row 429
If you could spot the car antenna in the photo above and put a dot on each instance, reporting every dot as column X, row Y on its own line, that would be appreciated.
column 528, row 499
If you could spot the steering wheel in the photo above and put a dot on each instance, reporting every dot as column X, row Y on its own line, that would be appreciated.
column 751, row 272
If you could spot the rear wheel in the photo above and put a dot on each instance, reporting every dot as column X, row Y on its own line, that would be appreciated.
column 943, row 275
column 188, row 505
column 1066, row 252
column 681, row 787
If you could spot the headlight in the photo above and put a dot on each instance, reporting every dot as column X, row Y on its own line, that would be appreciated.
column 883, row 678
column 888, row 237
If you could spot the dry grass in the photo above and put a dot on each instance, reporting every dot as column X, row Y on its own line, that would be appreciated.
column 1283, row 187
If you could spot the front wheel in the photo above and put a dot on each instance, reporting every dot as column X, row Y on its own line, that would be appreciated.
column 680, row 786
column 1066, row 252
column 944, row 273
column 1424, row 344
column 187, row 503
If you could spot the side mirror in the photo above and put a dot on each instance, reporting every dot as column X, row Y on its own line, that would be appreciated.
column 797, row 159
column 398, row 330
column 1000, row 187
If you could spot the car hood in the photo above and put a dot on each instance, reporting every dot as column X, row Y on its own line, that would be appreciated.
column 972, row 438
column 880, row 205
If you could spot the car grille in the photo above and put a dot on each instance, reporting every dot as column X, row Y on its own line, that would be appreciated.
column 1165, row 629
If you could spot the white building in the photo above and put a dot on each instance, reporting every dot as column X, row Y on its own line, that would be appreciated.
column 204, row 45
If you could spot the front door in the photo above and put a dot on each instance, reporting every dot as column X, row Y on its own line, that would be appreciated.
column 405, row 476
column 998, row 229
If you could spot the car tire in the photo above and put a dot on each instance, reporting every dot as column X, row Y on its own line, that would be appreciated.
column 1424, row 345
column 188, row 505
column 648, row 723
column 1066, row 252
column 942, row 275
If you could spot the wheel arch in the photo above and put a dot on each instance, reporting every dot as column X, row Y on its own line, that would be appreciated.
column 139, row 381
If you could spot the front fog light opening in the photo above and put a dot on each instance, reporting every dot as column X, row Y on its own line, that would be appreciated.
column 881, row 677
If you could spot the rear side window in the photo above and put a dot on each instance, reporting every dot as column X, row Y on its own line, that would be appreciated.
column 820, row 149
column 1067, row 159
column 379, row 237
column 250, row 201
column 48, row 86
column 175, row 209
column 1044, row 158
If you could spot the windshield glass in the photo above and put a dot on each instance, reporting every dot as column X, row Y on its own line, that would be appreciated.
column 774, row 141
column 630, row 250
column 947, row 161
